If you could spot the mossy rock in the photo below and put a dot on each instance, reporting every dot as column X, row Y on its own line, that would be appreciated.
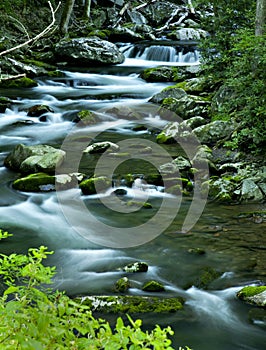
column 132, row 304
column 144, row 205
column 18, row 83
column 158, row 74
column 38, row 110
column 206, row 276
column 122, row 285
column 39, row 182
column 153, row 286
column 5, row 103
column 95, row 185
column 137, row 266
column 86, row 117
column 255, row 295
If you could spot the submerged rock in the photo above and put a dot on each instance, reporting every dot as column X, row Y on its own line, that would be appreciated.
column 101, row 147
column 132, row 304
column 255, row 295
column 34, row 159
column 84, row 51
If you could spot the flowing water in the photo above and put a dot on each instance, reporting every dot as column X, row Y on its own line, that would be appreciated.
column 91, row 262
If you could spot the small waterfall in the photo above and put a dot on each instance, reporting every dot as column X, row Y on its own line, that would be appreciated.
column 162, row 53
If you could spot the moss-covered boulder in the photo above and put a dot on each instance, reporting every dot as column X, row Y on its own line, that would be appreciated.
column 171, row 92
column 122, row 285
column 137, row 266
column 214, row 131
column 207, row 275
column 255, row 295
column 153, row 286
column 18, row 83
column 164, row 74
column 41, row 182
column 86, row 117
column 5, row 103
column 132, row 304
column 34, row 159
column 95, row 185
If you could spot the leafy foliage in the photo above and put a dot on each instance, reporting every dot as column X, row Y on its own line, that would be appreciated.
column 235, row 58
column 34, row 318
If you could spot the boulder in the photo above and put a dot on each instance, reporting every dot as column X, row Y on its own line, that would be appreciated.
column 137, row 266
column 95, row 185
column 214, row 131
column 255, row 295
column 101, row 147
column 38, row 110
column 153, row 286
column 124, row 112
column 169, row 92
column 122, row 285
column 187, row 34
column 87, row 51
column 5, row 103
column 33, row 159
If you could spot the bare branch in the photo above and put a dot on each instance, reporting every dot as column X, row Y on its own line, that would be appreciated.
column 38, row 36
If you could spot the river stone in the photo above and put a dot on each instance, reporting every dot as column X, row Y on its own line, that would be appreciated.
column 122, row 285
column 169, row 134
column 193, row 123
column 214, row 131
column 131, row 304
column 5, row 103
column 95, row 185
column 172, row 92
column 153, row 286
column 137, row 266
column 87, row 51
column 33, row 159
column 101, row 147
column 250, row 191
column 255, row 295
column 186, row 34
column 38, row 110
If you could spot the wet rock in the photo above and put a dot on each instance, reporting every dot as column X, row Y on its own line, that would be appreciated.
column 178, row 164
column 138, row 204
column 153, row 286
column 255, row 295
column 196, row 251
column 85, row 118
column 122, row 285
column 39, row 182
column 5, row 103
column 137, row 266
column 169, row 134
column 167, row 93
column 95, row 185
column 38, row 110
column 120, row 192
column 187, row 34
column 34, row 159
column 18, row 83
column 257, row 317
column 101, row 147
column 124, row 112
column 84, row 51
column 132, row 304
column 206, row 276
column 214, row 131
column 164, row 74
column 251, row 191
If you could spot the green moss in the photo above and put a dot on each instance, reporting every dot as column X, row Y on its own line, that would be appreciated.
column 122, row 285
column 144, row 205
column 250, row 291
column 153, row 286
column 95, row 185
column 35, row 183
column 18, row 83
column 132, row 304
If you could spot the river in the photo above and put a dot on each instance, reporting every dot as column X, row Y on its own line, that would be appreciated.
column 89, row 261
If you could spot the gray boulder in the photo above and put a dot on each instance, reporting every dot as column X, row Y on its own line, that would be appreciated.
column 84, row 51
column 186, row 34
column 214, row 131
column 255, row 295
column 34, row 159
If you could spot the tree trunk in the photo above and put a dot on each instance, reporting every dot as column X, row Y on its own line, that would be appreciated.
column 67, row 11
column 87, row 9
column 260, row 17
